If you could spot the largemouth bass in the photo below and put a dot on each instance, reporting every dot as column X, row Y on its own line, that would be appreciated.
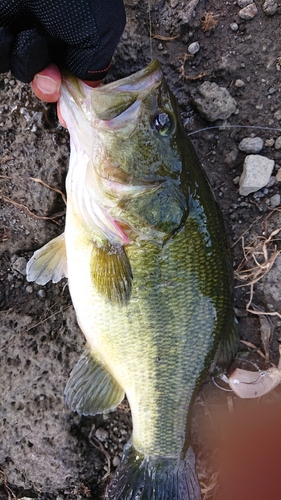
column 149, row 274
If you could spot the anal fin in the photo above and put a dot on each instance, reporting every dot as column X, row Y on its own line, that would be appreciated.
column 91, row 389
column 111, row 273
column 48, row 263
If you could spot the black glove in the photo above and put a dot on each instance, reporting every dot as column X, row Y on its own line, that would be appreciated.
column 78, row 34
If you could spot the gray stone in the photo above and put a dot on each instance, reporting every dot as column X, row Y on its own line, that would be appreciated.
column 277, row 144
column 251, row 145
column 213, row 102
column 19, row 265
column 248, row 12
column 244, row 3
column 275, row 200
column 101, row 434
column 256, row 174
column 269, row 7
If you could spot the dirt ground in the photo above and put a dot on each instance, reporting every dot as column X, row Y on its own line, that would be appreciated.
column 46, row 451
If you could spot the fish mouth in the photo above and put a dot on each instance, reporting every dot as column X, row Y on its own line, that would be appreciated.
column 115, row 98
column 140, row 81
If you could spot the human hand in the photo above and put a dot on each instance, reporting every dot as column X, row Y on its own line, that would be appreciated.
column 78, row 34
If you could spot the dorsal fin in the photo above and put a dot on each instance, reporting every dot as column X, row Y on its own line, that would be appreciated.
column 111, row 273
column 91, row 389
column 48, row 263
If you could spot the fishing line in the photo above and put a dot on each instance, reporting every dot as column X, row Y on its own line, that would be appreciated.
column 221, row 128
column 150, row 30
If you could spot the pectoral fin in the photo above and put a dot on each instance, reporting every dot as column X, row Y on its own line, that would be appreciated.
column 91, row 389
column 48, row 263
column 111, row 273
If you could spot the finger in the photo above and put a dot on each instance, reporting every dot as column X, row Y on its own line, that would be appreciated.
column 46, row 84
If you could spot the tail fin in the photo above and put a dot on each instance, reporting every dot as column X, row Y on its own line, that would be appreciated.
column 140, row 477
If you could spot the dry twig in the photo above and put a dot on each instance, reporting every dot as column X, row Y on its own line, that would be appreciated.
column 35, row 179
column 164, row 38
column 25, row 209
column 3, row 480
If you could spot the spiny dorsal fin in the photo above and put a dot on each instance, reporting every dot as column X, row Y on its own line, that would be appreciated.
column 91, row 389
column 111, row 273
column 48, row 263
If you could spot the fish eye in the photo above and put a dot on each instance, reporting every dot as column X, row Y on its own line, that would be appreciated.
column 162, row 123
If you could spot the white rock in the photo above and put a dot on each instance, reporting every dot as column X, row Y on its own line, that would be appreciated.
column 256, row 173
column 234, row 26
column 251, row 145
column 193, row 48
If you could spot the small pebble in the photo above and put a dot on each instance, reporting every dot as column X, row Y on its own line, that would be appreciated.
column 101, row 434
column 234, row 26
column 277, row 144
column 248, row 12
column 29, row 289
column 269, row 7
column 116, row 461
column 275, row 200
column 244, row 3
column 19, row 265
column 41, row 294
column 193, row 48
column 251, row 145
column 269, row 143
column 278, row 176
column 239, row 83
column 277, row 115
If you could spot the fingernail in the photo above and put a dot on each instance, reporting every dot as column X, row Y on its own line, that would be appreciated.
column 46, row 84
